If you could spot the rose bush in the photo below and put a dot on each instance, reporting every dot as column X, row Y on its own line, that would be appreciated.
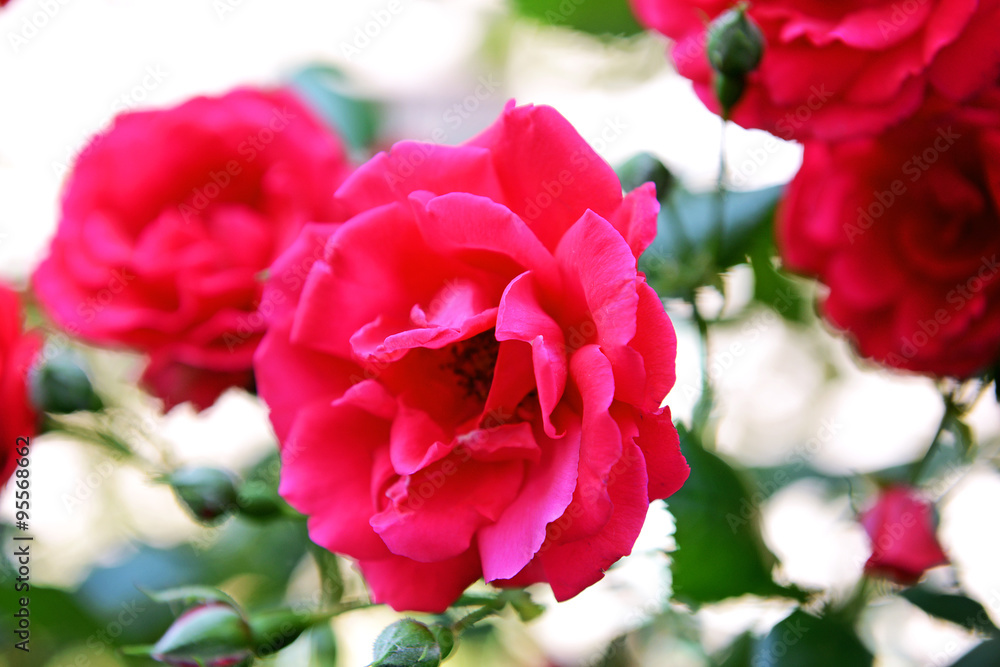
column 466, row 376
column 167, row 220
column 902, row 528
column 18, row 351
column 833, row 70
column 905, row 232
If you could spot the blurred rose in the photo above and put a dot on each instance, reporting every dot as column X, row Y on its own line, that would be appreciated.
column 467, row 375
column 18, row 350
column 905, row 231
column 902, row 529
column 168, row 220
column 837, row 69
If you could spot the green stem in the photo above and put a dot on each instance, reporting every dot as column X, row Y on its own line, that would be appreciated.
column 720, row 197
column 703, row 408
column 474, row 617
column 950, row 412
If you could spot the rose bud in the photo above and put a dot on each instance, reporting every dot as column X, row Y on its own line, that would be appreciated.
column 210, row 635
column 61, row 385
column 902, row 529
column 735, row 43
column 208, row 493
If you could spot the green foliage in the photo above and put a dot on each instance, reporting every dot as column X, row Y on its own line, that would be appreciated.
column 645, row 168
column 209, row 494
column 957, row 609
column 691, row 248
column 787, row 296
column 214, row 634
column 607, row 17
column 737, row 654
column 804, row 640
column 323, row 646
column 720, row 552
column 326, row 91
column 61, row 385
column 986, row 654
column 407, row 643
column 191, row 595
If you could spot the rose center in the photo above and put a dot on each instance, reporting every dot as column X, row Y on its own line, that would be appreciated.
column 473, row 361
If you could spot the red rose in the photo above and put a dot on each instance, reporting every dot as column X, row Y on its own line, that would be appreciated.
column 466, row 376
column 17, row 352
column 902, row 529
column 167, row 220
column 837, row 69
column 905, row 231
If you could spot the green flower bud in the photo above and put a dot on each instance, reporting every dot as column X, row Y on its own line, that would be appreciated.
column 645, row 167
column 212, row 635
column 61, row 385
column 407, row 643
column 445, row 638
column 208, row 493
column 735, row 43
column 259, row 500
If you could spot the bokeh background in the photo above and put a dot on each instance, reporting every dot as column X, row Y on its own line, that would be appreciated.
column 787, row 392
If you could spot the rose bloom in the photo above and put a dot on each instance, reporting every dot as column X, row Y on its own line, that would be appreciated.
column 18, row 350
column 836, row 69
column 905, row 231
column 167, row 221
column 466, row 376
column 901, row 527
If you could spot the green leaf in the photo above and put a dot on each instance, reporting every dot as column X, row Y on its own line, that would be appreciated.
column 686, row 253
column 961, row 434
column 957, row 609
column 329, row 571
column 737, row 654
column 788, row 297
column 644, row 168
column 323, row 646
column 720, row 552
column 607, row 17
column 803, row 640
column 189, row 595
column 526, row 608
column 986, row 654
column 325, row 89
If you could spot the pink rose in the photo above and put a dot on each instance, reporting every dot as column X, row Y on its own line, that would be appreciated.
column 905, row 231
column 838, row 69
column 466, row 376
column 167, row 221
column 902, row 529
column 18, row 351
